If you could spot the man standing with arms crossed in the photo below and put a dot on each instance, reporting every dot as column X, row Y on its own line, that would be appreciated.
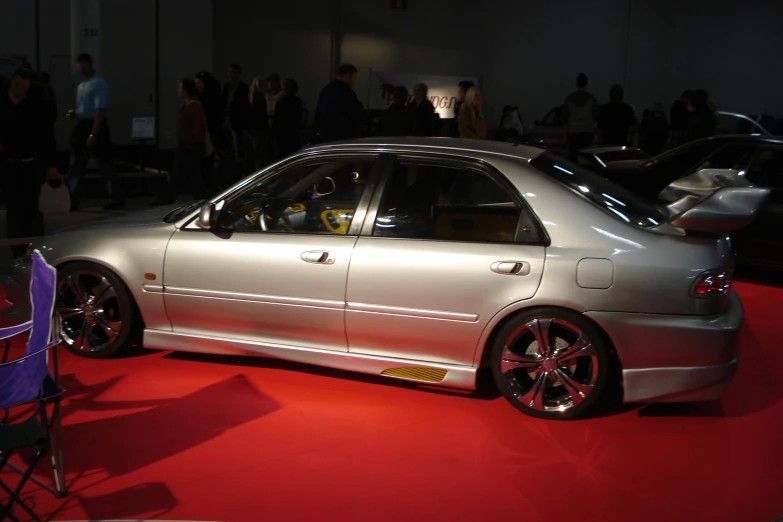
column 27, row 149
column 91, row 135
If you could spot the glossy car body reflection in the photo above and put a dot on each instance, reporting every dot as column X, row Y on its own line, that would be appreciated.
column 420, row 289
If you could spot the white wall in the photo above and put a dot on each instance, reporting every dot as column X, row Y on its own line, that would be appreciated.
column 535, row 50
column 17, row 28
column 427, row 38
column 290, row 38
column 529, row 53
column 186, row 48
column 732, row 50
column 127, row 42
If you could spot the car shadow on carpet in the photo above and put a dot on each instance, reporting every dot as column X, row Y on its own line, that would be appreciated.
column 103, row 449
column 486, row 389
column 146, row 501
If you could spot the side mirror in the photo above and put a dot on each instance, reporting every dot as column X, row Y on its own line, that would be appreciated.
column 324, row 187
column 207, row 216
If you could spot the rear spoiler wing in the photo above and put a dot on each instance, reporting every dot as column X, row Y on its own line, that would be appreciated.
column 713, row 201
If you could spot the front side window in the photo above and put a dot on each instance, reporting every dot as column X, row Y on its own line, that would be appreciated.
column 318, row 197
column 450, row 203
column 618, row 201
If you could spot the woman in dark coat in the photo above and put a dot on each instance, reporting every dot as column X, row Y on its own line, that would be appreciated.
column 288, row 120
column 396, row 120
column 211, row 100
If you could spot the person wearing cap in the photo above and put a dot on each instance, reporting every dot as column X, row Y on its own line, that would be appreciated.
column 28, row 154
column 91, row 135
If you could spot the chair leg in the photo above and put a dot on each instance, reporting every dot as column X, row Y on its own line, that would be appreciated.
column 15, row 494
column 58, row 456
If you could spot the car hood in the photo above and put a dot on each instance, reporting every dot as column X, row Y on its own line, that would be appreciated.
column 146, row 217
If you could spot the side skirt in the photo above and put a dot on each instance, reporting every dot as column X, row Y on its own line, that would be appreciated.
column 446, row 375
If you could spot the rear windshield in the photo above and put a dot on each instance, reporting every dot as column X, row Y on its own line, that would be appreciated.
column 623, row 155
column 618, row 201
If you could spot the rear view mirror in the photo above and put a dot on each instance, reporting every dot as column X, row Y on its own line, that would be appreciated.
column 207, row 216
column 324, row 187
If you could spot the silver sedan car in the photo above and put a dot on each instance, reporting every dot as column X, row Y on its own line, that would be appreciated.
column 425, row 260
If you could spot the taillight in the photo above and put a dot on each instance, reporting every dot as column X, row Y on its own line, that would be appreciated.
column 712, row 283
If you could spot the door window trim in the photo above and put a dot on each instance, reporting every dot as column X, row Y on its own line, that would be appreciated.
column 447, row 160
column 380, row 163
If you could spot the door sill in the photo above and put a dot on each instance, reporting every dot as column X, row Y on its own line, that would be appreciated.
column 460, row 377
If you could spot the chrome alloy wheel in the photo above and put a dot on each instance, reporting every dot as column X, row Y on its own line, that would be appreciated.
column 90, row 311
column 549, row 365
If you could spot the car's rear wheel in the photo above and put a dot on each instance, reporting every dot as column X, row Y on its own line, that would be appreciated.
column 551, row 363
column 99, row 317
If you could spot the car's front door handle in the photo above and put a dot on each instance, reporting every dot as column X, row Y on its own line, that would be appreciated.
column 318, row 257
column 519, row 268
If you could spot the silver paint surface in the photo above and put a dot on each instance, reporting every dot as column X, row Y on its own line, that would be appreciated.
column 387, row 302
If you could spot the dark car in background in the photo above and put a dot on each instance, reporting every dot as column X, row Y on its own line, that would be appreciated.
column 736, row 123
column 759, row 159
column 547, row 133
column 601, row 159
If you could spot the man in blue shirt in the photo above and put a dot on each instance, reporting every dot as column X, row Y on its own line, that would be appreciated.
column 91, row 135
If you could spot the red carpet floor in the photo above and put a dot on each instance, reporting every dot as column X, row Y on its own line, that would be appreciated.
column 201, row 438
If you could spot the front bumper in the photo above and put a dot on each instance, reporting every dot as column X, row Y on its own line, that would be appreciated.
column 675, row 358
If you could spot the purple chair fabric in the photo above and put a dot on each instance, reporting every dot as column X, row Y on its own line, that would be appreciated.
column 23, row 380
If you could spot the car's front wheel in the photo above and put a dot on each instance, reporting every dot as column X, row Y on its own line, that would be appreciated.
column 551, row 363
column 99, row 316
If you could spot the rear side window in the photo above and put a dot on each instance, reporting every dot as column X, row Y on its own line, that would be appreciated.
column 427, row 200
column 619, row 202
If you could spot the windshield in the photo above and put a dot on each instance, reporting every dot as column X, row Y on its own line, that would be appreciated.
column 177, row 214
column 619, row 202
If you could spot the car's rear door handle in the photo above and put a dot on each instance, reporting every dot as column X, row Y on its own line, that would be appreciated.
column 519, row 268
column 319, row 257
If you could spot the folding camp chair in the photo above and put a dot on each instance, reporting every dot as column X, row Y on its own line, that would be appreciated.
column 29, row 381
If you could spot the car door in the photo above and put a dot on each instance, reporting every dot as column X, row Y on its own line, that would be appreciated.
column 762, row 241
column 446, row 245
column 274, row 268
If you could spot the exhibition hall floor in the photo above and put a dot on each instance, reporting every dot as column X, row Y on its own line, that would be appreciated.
column 188, row 437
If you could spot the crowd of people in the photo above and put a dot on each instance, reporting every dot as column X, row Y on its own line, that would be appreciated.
column 586, row 122
column 227, row 131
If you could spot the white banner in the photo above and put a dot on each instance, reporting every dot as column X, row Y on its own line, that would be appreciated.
column 442, row 90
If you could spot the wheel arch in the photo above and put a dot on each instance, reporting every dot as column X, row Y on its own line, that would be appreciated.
column 59, row 264
column 484, row 350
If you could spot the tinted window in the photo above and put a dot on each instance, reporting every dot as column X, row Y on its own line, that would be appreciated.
column 430, row 201
column 767, row 169
column 553, row 118
column 619, row 202
column 733, row 156
column 728, row 124
column 317, row 197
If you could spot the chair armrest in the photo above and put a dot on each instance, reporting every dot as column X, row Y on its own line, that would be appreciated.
column 11, row 331
column 42, row 350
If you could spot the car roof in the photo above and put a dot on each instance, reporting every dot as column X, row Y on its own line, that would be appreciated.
column 746, row 137
column 434, row 145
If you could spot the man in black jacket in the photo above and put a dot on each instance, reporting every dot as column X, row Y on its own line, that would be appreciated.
column 27, row 154
column 339, row 114
column 237, row 104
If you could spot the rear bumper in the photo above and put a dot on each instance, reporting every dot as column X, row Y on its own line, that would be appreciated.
column 673, row 358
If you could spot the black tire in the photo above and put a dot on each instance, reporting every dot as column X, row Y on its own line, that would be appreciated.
column 115, row 320
column 518, row 365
